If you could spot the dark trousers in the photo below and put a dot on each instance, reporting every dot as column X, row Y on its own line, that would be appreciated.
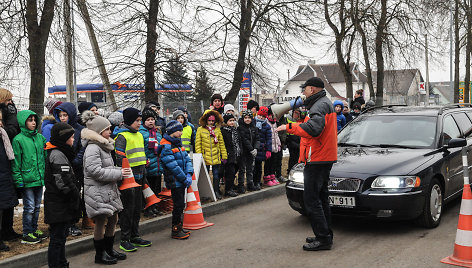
column 230, row 174
column 216, row 176
column 278, row 163
column 155, row 183
column 246, row 167
column 315, row 197
column 293, row 145
column 132, row 200
column 269, row 166
column 7, row 222
column 257, row 172
column 178, row 197
column 57, row 244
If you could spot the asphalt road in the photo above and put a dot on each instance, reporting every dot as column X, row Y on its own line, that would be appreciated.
column 269, row 234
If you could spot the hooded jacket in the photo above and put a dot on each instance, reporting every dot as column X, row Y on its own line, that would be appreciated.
column 340, row 118
column 30, row 156
column 212, row 152
column 265, row 140
column 102, row 196
column 175, row 162
column 249, row 135
column 46, row 126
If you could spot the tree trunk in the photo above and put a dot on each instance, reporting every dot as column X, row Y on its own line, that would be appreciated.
column 151, row 41
column 379, row 39
column 38, row 34
column 244, row 35
column 70, row 97
column 98, row 55
column 468, row 49
column 456, row 52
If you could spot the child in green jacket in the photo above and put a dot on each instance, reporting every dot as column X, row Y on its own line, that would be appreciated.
column 28, row 172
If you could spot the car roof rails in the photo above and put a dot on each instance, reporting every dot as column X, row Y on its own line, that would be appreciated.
column 454, row 106
column 383, row 106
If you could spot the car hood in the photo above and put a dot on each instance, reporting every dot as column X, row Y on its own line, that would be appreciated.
column 379, row 161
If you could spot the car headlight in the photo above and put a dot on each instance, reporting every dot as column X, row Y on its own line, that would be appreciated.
column 395, row 182
column 296, row 176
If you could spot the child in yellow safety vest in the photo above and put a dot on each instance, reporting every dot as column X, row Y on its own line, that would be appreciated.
column 188, row 134
column 129, row 143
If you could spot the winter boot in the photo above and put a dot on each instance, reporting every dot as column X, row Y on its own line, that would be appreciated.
column 274, row 180
column 216, row 188
column 268, row 181
column 87, row 223
column 178, row 233
column 3, row 247
column 241, row 189
column 109, row 248
column 231, row 193
column 101, row 256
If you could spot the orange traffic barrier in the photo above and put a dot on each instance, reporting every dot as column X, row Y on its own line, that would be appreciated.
column 149, row 196
column 193, row 214
column 462, row 255
column 129, row 181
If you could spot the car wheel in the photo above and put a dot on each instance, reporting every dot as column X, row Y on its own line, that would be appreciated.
column 432, row 211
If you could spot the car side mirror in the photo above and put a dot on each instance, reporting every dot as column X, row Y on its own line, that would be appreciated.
column 456, row 142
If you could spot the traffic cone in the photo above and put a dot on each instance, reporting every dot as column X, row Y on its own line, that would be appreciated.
column 165, row 192
column 462, row 255
column 149, row 196
column 127, row 182
column 193, row 214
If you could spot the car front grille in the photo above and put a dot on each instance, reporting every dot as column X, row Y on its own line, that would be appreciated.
column 344, row 185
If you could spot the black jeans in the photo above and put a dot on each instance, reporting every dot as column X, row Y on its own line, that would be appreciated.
column 277, row 163
column 57, row 244
column 293, row 145
column 246, row 167
column 178, row 197
column 257, row 172
column 315, row 197
column 230, row 171
column 216, row 176
column 132, row 200
column 155, row 183
column 7, row 222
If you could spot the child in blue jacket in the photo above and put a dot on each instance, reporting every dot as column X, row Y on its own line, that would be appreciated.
column 341, row 119
column 178, row 171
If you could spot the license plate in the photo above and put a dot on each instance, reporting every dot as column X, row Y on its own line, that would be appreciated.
column 342, row 201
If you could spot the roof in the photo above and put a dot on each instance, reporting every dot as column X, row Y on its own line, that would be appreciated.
column 397, row 81
column 444, row 88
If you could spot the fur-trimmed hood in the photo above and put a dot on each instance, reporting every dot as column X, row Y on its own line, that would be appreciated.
column 203, row 120
column 90, row 136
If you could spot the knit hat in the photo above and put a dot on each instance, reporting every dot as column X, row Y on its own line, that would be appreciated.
column 216, row 97
column 115, row 118
column 95, row 122
column 173, row 126
column 148, row 112
column 51, row 103
column 228, row 107
column 177, row 113
column 246, row 113
column 264, row 111
column 227, row 117
column 153, row 103
column 84, row 106
column 251, row 104
column 60, row 133
column 130, row 115
column 5, row 95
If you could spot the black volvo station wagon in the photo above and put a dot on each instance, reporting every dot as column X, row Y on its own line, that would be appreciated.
column 396, row 162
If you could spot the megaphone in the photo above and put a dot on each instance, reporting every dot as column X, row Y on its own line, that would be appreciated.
column 278, row 110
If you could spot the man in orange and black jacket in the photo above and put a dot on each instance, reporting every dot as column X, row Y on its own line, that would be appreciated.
column 318, row 150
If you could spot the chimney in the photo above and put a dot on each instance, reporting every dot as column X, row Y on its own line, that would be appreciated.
column 311, row 61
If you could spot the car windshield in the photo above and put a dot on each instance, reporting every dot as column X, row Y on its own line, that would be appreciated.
column 397, row 131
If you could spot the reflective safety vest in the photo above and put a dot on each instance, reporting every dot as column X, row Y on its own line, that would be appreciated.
column 290, row 121
column 187, row 138
column 134, row 148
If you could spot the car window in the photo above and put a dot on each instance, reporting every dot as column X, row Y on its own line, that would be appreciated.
column 404, row 130
column 463, row 121
column 450, row 130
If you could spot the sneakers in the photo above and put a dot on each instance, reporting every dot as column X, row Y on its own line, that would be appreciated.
column 139, row 242
column 39, row 234
column 268, row 181
column 178, row 233
column 126, row 245
column 231, row 193
column 274, row 180
column 30, row 239
column 74, row 231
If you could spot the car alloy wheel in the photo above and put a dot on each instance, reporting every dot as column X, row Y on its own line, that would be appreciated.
column 432, row 210
column 435, row 202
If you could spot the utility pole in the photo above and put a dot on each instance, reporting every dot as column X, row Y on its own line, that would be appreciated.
column 288, row 74
column 426, row 103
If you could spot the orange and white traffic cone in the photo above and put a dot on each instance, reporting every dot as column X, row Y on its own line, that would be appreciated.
column 193, row 214
column 129, row 181
column 462, row 255
column 149, row 196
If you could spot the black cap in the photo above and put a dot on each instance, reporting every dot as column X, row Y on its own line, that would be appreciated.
column 313, row 82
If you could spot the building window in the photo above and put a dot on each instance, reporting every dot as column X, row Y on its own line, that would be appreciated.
column 286, row 91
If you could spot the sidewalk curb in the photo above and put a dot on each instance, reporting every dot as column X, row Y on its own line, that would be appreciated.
column 77, row 246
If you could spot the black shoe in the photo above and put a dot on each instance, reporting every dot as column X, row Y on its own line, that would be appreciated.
column 3, row 247
column 231, row 193
column 241, row 190
column 149, row 213
column 10, row 236
column 310, row 239
column 257, row 187
column 282, row 179
column 217, row 195
column 156, row 211
column 109, row 248
column 317, row 245
column 139, row 242
column 178, row 233
column 125, row 245
column 101, row 256
column 74, row 231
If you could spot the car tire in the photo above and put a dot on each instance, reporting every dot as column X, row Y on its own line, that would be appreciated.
column 433, row 205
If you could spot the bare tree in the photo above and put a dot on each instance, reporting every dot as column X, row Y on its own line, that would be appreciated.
column 151, row 41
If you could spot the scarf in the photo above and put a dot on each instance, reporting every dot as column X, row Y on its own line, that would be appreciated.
column 7, row 144
column 152, row 141
column 175, row 141
column 259, row 122
column 212, row 133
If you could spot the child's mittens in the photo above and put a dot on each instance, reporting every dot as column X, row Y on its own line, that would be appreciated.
column 254, row 152
column 268, row 154
column 224, row 161
column 188, row 180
